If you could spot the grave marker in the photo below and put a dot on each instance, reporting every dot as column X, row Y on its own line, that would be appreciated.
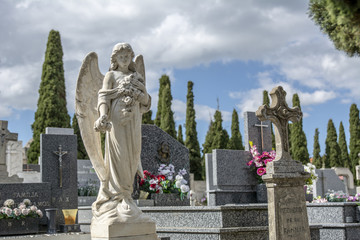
column 258, row 132
column 285, row 177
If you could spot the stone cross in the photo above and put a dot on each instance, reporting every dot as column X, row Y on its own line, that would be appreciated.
column 280, row 114
column 60, row 153
column 261, row 125
column 5, row 136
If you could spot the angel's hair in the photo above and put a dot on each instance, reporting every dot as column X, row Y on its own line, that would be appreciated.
column 117, row 49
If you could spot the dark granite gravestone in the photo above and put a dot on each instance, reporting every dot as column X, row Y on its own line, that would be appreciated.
column 229, row 179
column 59, row 167
column 158, row 147
column 258, row 132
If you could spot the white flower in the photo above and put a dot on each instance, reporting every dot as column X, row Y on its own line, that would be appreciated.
column 179, row 178
column 8, row 211
column 9, row 203
column 178, row 184
column 33, row 208
column 153, row 181
column 22, row 206
column 164, row 172
column 25, row 211
column 184, row 188
column 39, row 212
column 170, row 177
column 182, row 172
column 27, row 202
column 17, row 211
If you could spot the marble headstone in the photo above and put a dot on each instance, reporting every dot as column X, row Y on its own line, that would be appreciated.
column 327, row 180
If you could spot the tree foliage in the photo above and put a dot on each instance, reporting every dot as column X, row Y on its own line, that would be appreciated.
column 163, row 81
column 354, row 144
column 332, row 149
column 191, row 141
column 81, row 151
column 235, row 141
column 51, row 107
column 146, row 118
column 340, row 20
column 317, row 160
column 299, row 149
column 266, row 101
column 345, row 161
column 180, row 137
column 167, row 115
column 221, row 137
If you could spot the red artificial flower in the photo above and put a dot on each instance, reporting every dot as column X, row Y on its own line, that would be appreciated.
column 261, row 171
column 152, row 176
column 249, row 163
column 153, row 186
column 146, row 173
column 142, row 181
column 161, row 177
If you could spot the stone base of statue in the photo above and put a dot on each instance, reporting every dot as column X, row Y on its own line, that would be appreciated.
column 124, row 231
column 286, row 201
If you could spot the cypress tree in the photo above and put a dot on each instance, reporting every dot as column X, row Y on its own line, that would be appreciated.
column 81, row 151
column 221, row 137
column 299, row 149
column 332, row 149
column 235, row 141
column 191, row 141
column 266, row 101
column 317, row 161
column 51, row 108
column 167, row 115
column 345, row 161
column 180, row 135
column 146, row 118
column 354, row 144
column 164, row 80
column 209, row 138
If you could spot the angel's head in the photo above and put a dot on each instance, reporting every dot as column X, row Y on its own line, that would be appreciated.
column 124, row 50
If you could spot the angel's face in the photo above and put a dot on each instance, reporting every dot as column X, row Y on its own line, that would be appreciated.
column 123, row 59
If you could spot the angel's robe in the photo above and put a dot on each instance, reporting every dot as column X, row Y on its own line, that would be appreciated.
column 123, row 142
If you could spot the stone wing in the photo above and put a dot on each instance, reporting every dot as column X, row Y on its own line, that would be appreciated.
column 88, row 85
column 140, row 66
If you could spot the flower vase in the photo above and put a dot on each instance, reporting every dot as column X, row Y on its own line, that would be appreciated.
column 261, row 193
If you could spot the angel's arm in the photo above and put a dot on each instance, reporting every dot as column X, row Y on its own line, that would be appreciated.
column 103, row 106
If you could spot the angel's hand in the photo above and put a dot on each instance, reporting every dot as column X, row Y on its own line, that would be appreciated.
column 102, row 124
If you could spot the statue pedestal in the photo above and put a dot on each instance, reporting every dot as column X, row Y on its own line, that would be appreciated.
column 124, row 231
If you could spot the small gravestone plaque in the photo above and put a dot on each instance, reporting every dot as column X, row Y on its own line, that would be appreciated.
column 284, row 176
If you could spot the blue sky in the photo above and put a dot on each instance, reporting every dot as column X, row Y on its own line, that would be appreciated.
column 231, row 50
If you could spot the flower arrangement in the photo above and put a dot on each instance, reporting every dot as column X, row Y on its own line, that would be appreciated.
column 166, row 181
column 24, row 209
column 339, row 196
column 310, row 168
column 89, row 189
column 259, row 161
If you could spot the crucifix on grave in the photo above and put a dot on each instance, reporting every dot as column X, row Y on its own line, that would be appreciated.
column 60, row 153
column 5, row 136
column 285, row 177
column 261, row 125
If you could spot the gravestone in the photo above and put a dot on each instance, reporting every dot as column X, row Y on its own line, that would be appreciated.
column 87, row 180
column 327, row 180
column 158, row 148
column 59, row 167
column 14, row 157
column 228, row 178
column 6, row 138
column 258, row 132
column 285, row 177
column 347, row 178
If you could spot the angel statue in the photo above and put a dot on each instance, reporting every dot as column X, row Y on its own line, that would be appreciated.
column 114, row 105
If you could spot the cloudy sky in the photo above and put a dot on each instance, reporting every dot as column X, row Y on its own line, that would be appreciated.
column 232, row 50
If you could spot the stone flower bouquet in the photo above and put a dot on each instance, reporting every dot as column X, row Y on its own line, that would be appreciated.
column 165, row 181
column 24, row 210
column 259, row 161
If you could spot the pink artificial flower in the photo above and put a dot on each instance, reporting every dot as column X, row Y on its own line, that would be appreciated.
column 249, row 163
column 261, row 171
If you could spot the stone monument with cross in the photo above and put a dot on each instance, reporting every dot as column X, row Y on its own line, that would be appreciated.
column 5, row 137
column 285, row 177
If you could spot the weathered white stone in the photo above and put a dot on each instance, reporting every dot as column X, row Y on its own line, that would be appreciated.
column 116, row 110
column 14, row 157
column 284, row 176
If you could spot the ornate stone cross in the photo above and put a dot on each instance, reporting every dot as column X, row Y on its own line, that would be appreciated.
column 5, row 136
column 279, row 114
column 261, row 125
column 60, row 153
